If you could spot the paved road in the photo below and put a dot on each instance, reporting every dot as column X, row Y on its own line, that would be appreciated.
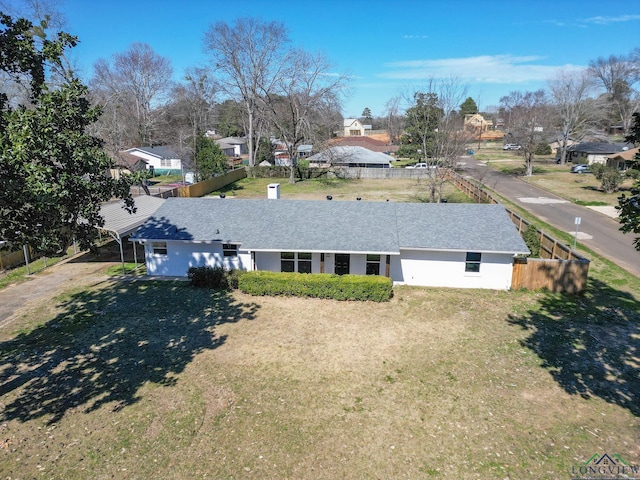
column 597, row 231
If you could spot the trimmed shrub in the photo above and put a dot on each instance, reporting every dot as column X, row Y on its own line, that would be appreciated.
column 542, row 148
column 217, row 278
column 337, row 287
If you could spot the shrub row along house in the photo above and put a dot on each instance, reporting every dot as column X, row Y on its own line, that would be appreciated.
column 446, row 245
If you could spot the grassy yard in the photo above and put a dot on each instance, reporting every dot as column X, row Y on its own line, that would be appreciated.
column 143, row 379
column 583, row 189
column 149, row 379
column 400, row 190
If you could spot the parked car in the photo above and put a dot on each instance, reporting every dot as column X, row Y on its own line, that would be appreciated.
column 582, row 168
column 418, row 165
column 511, row 146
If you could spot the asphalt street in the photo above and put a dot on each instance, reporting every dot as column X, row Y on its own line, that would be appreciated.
column 597, row 231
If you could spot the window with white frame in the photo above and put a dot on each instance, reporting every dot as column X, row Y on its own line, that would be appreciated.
column 159, row 248
column 373, row 264
column 165, row 162
column 472, row 262
column 229, row 250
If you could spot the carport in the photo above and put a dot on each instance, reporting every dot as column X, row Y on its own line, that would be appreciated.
column 119, row 223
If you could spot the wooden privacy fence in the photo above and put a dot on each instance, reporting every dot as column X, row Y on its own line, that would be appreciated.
column 10, row 259
column 203, row 188
column 560, row 269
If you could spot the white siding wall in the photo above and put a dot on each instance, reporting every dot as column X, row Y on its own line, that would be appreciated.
column 183, row 255
column 447, row 269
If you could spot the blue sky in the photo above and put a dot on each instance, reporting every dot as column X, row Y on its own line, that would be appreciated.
column 386, row 48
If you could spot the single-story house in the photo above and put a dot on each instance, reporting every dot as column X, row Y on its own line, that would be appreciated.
column 442, row 245
column 233, row 146
column 621, row 161
column 125, row 163
column 348, row 156
column 594, row 152
column 161, row 160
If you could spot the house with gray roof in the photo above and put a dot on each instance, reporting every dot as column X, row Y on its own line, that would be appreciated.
column 444, row 245
column 161, row 159
column 350, row 156
column 595, row 152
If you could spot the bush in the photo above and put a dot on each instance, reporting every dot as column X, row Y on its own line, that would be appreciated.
column 542, row 148
column 611, row 180
column 531, row 237
column 598, row 170
column 214, row 277
column 633, row 173
column 337, row 287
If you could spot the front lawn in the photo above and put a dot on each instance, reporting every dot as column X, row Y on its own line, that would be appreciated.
column 147, row 379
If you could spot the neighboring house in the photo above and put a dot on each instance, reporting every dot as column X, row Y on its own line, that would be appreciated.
column 126, row 163
column 353, row 128
column 622, row 160
column 366, row 142
column 443, row 245
column 233, row 146
column 476, row 124
column 161, row 160
column 594, row 152
column 346, row 156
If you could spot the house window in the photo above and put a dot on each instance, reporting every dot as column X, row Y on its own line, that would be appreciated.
column 473, row 262
column 229, row 250
column 287, row 262
column 295, row 262
column 373, row 265
column 354, row 133
column 165, row 162
column 304, row 262
column 159, row 248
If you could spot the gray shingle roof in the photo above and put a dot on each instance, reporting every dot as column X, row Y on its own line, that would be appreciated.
column 347, row 154
column 117, row 219
column 335, row 226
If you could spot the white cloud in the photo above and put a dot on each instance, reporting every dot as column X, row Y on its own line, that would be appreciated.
column 601, row 20
column 412, row 37
column 506, row 69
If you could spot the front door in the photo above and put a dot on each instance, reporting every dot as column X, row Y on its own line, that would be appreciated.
column 342, row 264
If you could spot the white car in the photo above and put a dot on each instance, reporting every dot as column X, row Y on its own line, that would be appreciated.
column 511, row 146
column 418, row 165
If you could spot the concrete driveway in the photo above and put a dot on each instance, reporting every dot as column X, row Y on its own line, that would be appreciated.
column 16, row 300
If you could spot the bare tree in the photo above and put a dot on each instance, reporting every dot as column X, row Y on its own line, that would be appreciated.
column 394, row 119
column 574, row 107
column 619, row 75
column 134, row 85
column 248, row 58
column 529, row 118
column 299, row 101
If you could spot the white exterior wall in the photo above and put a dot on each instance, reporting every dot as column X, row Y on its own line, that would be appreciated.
column 447, row 269
column 411, row 267
column 591, row 159
column 183, row 255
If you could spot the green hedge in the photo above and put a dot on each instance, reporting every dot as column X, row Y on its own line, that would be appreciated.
column 217, row 277
column 337, row 287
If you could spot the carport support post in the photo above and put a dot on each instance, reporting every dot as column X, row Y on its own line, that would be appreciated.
column 25, row 249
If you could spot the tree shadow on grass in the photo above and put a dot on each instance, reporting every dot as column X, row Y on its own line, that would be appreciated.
column 589, row 343
column 106, row 343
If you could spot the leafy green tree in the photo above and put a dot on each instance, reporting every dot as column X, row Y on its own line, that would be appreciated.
column 629, row 207
column 266, row 151
column 52, row 172
column 422, row 120
column 366, row 115
column 468, row 107
column 210, row 159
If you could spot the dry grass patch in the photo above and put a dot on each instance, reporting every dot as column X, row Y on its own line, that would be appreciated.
column 157, row 380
